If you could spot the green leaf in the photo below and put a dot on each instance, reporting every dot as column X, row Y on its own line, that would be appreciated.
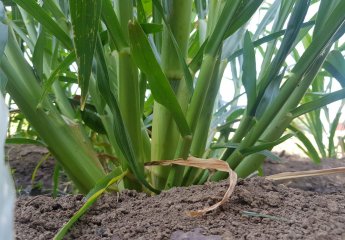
column 266, row 145
column 85, row 15
column 267, row 19
column 37, row 57
column 121, row 134
column 3, row 30
column 102, row 183
column 151, row 27
column 97, row 191
column 61, row 68
column 294, row 25
column 187, row 75
column 311, row 151
column 35, row 10
column 335, row 65
column 38, row 165
column 3, row 82
column 141, row 12
column 333, row 128
column 249, row 72
column 93, row 121
column 318, row 103
column 111, row 21
column 226, row 17
column 254, row 149
column 245, row 11
column 269, row 95
column 268, row 38
column 159, row 84
column 270, row 155
column 25, row 141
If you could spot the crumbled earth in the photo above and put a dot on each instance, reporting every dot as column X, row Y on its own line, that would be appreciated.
column 258, row 209
column 23, row 160
column 326, row 184
column 287, row 213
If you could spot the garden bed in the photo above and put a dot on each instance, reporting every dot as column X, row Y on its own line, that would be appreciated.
column 258, row 209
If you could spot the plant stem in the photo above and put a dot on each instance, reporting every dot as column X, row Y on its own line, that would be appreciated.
column 63, row 136
column 128, row 90
column 165, row 134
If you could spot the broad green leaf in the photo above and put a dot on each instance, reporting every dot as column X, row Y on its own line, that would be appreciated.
column 159, row 84
column 249, row 73
column 35, row 10
column 85, row 15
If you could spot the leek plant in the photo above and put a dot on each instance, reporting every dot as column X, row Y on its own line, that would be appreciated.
column 324, row 132
column 148, row 76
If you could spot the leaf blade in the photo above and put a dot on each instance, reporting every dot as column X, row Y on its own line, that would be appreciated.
column 85, row 16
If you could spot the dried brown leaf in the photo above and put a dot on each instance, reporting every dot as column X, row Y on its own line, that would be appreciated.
column 210, row 163
column 309, row 173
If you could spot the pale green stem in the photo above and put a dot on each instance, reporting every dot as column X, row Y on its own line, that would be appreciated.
column 165, row 134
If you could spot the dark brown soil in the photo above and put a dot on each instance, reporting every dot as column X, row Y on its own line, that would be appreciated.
column 23, row 159
column 294, row 214
column 275, row 211
column 325, row 184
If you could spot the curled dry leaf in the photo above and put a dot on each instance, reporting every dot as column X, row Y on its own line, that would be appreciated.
column 210, row 163
column 310, row 173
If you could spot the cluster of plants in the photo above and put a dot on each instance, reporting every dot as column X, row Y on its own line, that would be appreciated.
column 148, row 76
column 110, row 86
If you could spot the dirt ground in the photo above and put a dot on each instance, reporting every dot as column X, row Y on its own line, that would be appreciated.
column 258, row 209
column 23, row 160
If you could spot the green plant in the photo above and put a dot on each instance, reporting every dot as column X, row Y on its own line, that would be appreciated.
column 149, row 74
column 323, row 131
